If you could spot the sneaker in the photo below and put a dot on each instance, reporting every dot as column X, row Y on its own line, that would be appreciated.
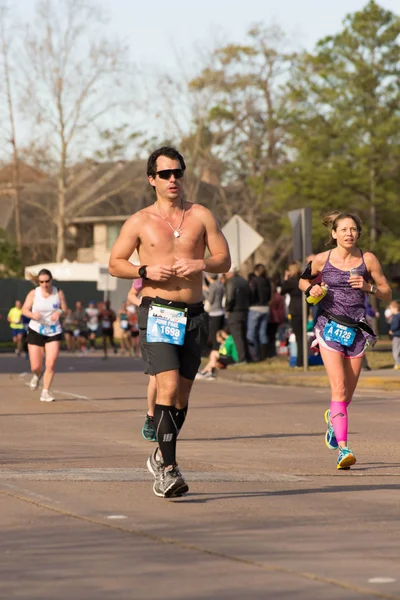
column 205, row 375
column 330, row 437
column 155, row 465
column 34, row 382
column 149, row 429
column 46, row 396
column 345, row 459
column 170, row 484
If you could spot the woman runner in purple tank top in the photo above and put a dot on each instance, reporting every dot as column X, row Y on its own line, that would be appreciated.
column 346, row 272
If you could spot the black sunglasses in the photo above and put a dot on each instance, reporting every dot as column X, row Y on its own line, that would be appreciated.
column 44, row 280
column 166, row 173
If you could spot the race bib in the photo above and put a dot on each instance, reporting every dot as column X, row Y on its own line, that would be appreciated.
column 166, row 324
column 106, row 324
column 47, row 329
column 77, row 332
column 124, row 325
column 334, row 332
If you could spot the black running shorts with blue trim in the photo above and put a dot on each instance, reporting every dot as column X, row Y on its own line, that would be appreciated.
column 160, row 357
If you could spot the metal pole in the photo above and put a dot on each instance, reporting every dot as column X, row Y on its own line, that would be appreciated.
column 238, row 243
column 304, row 305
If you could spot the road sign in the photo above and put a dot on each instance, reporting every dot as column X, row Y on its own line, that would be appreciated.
column 301, row 224
column 243, row 240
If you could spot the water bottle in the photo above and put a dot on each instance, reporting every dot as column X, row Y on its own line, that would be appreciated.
column 292, row 350
column 313, row 299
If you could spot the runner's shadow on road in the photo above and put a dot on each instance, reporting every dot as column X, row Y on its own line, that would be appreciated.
column 377, row 465
column 195, row 499
column 75, row 413
column 265, row 436
column 59, row 400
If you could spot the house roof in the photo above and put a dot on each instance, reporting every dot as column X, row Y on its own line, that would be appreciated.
column 27, row 174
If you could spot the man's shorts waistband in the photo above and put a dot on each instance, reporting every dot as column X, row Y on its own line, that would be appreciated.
column 193, row 309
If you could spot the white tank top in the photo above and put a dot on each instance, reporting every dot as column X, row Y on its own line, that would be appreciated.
column 46, row 306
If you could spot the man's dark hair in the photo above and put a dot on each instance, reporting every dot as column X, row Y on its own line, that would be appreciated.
column 260, row 270
column 164, row 151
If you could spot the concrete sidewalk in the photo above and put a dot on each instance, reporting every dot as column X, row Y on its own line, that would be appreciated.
column 379, row 379
column 267, row 514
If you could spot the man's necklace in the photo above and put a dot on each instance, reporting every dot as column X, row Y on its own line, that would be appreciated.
column 176, row 230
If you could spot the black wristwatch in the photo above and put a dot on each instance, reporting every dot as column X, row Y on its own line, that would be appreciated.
column 143, row 272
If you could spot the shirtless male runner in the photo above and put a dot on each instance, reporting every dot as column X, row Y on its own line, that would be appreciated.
column 171, row 237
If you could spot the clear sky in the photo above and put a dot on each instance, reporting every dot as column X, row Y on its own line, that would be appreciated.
column 169, row 37
column 158, row 30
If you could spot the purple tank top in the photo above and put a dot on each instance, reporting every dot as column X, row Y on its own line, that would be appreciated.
column 341, row 298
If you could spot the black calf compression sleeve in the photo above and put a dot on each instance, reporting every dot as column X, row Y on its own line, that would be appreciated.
column 180, row 416
column 167, row 432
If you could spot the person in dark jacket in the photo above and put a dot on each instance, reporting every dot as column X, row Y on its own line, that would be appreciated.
column 277, row 316
column 291, row 286
column 257, row 321
column 237, row 307
column 395, row 333
column 216, row 312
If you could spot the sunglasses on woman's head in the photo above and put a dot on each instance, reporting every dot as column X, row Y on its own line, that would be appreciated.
column 166, row 173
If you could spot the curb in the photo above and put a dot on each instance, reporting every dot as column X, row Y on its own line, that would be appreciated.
column 376, row 383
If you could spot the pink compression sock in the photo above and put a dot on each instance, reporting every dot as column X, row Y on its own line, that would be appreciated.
column 339, row 420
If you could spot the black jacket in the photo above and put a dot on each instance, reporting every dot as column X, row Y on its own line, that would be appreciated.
column 260, row 289
column 237, row 294
column 291, row 287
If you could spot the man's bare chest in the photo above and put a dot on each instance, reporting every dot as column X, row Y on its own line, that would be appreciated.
column 164, row 239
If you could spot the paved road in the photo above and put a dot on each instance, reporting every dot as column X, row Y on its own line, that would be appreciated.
column 267, row 515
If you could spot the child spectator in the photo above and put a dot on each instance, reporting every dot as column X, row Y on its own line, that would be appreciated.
column 221, row 358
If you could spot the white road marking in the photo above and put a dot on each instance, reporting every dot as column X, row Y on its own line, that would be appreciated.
column 381, row 580
column 140, row 475
column 117, row 517
column 71, row 394
column 79, row 396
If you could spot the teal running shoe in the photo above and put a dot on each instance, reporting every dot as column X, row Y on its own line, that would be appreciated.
column 149, row 429
column 330, row 437
column 346, row 458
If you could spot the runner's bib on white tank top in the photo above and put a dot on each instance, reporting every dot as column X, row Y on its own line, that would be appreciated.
column 46, row 306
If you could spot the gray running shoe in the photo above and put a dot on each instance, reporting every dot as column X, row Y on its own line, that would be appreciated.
column 170, row 484
column 155, row 465
column 34, row 382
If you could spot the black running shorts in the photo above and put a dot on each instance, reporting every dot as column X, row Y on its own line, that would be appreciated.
column 160, row 357
column 37, row 339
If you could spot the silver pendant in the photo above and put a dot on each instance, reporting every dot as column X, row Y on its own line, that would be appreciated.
column 176, row 234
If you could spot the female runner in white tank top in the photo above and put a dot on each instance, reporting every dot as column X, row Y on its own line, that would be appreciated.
column 44, row 306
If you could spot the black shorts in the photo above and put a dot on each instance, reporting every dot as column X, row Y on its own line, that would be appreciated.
column 160, row 357
column 109, row 332
column 83, row 333
column 37, row 339
column 225, row 360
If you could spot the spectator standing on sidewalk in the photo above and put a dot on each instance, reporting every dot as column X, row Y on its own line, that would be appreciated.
column 257, row 321
column 395, row 332
column 216, row 312
column 277, row 316
column 237, row 308
column 290, row 286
